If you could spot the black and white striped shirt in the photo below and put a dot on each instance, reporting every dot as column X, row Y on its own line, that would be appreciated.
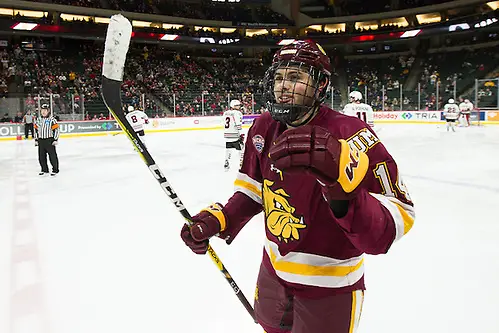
column 46, row 128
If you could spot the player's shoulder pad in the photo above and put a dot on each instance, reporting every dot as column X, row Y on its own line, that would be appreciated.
column 262, row 124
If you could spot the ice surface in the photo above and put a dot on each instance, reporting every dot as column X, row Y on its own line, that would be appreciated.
column 103, row 239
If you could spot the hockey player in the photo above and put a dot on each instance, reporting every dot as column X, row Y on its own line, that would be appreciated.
column 358, row 109
column 137, row 119
column 451, row 114
column 234, row 139
column 465, row 108
column 329, row 191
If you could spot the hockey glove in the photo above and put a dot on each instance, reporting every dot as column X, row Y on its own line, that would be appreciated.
column 208, row 223
column 313, row 150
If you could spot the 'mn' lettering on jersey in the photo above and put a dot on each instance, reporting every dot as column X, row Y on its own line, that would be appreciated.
column 233, row 122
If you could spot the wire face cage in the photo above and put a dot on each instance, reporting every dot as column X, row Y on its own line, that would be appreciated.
column 292, row 89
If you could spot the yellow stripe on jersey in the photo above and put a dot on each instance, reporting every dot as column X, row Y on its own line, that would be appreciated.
column 352, row 314
column 408, row 219
column 247, row 185
column 403, row 215
column 305, row 269
column 315, row 270
column 356, row 312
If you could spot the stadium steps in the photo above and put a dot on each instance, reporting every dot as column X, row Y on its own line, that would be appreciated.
column 414, row 74
column 469, row 92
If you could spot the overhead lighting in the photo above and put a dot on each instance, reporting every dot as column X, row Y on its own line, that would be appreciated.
column 486, row 23
column 207, row 40
column 410, row 33
column 286, row 42
column 460, row 26
column 169, row 37
column 24, row 26
column 228, row 41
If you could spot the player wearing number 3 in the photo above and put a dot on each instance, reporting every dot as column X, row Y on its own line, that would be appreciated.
column 234, row 138
column 329, row 190
column 358, row 109
column 137, row 119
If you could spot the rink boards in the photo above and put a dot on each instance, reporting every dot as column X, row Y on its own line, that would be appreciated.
column 174, row 124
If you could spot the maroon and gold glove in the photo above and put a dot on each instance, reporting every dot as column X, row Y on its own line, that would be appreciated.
column 208, row 223
column 313, row 150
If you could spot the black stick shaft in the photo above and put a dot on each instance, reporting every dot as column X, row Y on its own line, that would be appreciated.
column 111, row 94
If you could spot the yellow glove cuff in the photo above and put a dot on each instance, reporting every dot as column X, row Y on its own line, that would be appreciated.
column 216, row 210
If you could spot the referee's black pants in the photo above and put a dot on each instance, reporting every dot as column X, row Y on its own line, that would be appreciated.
column 45, row 147
column 27, row 129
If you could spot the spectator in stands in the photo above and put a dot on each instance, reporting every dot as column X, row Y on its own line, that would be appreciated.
column 5, row 118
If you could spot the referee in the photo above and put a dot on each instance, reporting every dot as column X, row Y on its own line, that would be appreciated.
column 47, row 136
column 28, row 121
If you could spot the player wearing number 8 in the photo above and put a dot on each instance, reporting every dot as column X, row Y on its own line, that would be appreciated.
column 137, row 119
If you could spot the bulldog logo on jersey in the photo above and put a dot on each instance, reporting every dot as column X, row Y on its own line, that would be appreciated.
column 258, row 142
column 279, row 214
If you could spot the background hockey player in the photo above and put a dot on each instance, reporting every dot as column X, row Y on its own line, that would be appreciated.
column 358, row 109
column 329, row 192
column 137, row 119
column 234, row 138
column 465, row 108
column 451, row 114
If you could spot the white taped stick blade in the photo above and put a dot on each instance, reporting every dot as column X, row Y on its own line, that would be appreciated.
column 119, row 32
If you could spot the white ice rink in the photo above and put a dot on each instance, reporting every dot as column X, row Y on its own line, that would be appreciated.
column 97, row 248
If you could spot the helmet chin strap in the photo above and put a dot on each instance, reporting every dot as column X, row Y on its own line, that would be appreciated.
column 309, row 115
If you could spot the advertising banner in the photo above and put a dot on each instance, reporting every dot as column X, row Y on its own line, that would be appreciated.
column 493, row 115
column 408, row 116
column 67, row 127
column 248, row 119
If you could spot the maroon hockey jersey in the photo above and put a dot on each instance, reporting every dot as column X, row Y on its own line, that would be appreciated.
column 307, row 247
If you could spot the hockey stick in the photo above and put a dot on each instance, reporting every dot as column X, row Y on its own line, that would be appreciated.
column 116, row 47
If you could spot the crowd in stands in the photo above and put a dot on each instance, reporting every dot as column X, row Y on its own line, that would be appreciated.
column 441, row 71
column 153, row 77
column 204, row 9
column 374, row 75
column 359, row 7
column 163, row 81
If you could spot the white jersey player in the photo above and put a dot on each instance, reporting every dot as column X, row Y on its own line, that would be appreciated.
column 137, row 119
column 234, row 139
column 466, row 107
column 360, row 110
column 451, row 114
